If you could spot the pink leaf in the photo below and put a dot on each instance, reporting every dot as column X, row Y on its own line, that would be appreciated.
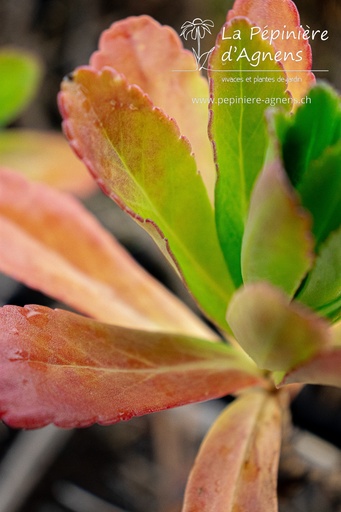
column 46, row 157
column 51, row 243
column 151, row 56
column 236, row 468
column 278, row 16
column 323, row 369
column 60, row 367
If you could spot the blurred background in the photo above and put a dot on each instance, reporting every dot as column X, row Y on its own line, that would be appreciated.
column 142, row 465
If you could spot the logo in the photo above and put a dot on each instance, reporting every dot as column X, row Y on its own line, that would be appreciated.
column 197, row 30
column 237, row 53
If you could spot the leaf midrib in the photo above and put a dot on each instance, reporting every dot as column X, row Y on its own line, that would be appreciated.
column 213, row 366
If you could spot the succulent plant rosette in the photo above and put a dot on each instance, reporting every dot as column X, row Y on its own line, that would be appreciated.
column 237, row 178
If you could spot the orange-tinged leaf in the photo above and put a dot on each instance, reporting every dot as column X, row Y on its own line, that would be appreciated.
column 336, row 334
column 275, row 333
column 60, row 367
column 51, row 243
column 152, row 56
column 276, row 17
column 236, row 468
column 143, row 163
column 45, row 157
column 323, row 369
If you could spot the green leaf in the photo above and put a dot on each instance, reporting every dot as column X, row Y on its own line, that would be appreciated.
column 310, row 145
column 238, row 130
column 276, row 334
column 236, row 467
column 322, row 289
column 139, row 159
column 277, row 246
column 20, row 75
column 305, row 136
column 320, row 192
column 60, row 367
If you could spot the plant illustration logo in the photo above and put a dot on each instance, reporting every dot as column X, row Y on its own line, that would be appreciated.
column 197, row 30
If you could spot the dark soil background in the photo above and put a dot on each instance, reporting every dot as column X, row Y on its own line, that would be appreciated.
column 142, row 465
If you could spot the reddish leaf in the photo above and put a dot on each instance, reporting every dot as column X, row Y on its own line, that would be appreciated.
column 236, row 468
column 50, row 242
column 277, row 334
column 46, row 157
column 279, row 16
column 151, row 56
column 60, row 367
column 323, row 369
